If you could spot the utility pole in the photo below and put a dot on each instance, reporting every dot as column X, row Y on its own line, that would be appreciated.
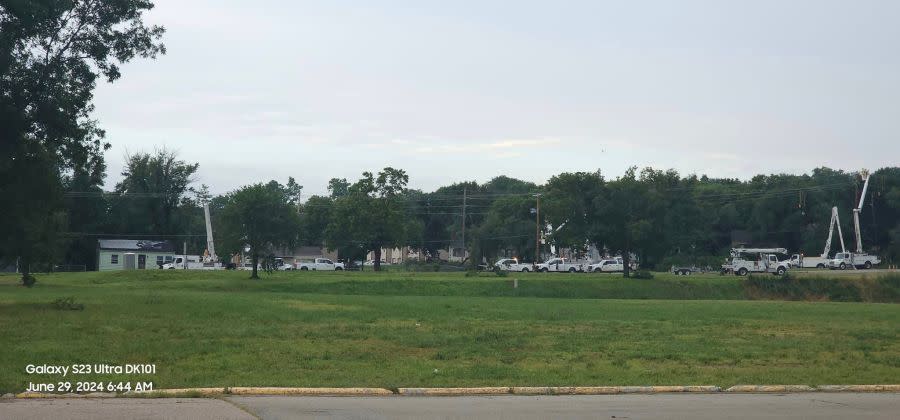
column 537, row 229
column 465, row 189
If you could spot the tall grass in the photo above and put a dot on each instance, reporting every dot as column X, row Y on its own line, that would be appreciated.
column 882, row 288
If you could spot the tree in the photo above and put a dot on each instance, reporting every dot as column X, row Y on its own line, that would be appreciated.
column 622, row 216
column 153, row 187
column 260, row 217
column 51, row 54
column 568, row 200
column 371, row 215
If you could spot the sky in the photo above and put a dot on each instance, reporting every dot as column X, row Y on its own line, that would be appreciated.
column 463, row 90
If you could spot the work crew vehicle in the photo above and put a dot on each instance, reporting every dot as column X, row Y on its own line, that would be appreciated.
column 756, row 260
column 512, row 264
column 562, row 265
column 319, row 264
column 850, row 260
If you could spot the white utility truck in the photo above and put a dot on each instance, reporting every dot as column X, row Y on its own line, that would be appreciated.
column 319, row 264
column 512, row 264
column 191, row 262
column 858, row 259
column 756, row 260
column 612, row 265
column 557, row 264
column 801, row 261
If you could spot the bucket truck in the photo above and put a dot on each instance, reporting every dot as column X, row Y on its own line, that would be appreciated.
column 209, row 260
column 801, row 261
column 756, row 260
column 858, row 259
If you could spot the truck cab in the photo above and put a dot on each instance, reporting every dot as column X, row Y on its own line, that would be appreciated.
column 847, row 260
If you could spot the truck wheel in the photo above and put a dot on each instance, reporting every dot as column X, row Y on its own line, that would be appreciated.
column 780, row 271
column 304, row 268
column 572, row 270
column 544, row 270
column 742, row 272
column 338, row 269
column 525, row 270
column 820, row 265
column 843, row 266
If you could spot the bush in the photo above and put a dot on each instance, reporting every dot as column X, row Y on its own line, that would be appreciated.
column 67, row 304
column 642, row 274
column 28, row 280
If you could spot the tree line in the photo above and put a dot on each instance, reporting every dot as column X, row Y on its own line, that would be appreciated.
column 659, row 216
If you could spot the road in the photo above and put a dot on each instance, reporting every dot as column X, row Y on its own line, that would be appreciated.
column 659, row 406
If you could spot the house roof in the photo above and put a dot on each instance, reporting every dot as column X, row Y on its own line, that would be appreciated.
column 136, row 245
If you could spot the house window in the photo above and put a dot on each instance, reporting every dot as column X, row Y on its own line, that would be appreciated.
column 159, row 260
column 169, row 258
column 114, row 259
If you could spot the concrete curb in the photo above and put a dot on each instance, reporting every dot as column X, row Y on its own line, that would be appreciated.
column 491, row 390
column 608, row 390
column 858, row 388
column 308, row 391
column 770, row 388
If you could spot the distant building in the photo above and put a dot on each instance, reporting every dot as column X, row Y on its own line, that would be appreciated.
column 133, row 254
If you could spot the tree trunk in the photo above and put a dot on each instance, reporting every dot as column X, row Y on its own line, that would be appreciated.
column 28, row 279
column 255, row 260
column 377, row 263
column 626, row 263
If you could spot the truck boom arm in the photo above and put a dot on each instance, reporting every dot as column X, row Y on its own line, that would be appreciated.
column 865, row 176
column 835, row 220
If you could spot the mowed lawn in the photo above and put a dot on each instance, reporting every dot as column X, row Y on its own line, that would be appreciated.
column 400, row 329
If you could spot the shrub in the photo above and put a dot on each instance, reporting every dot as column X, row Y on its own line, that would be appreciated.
column 642, row 274
column 67, row 304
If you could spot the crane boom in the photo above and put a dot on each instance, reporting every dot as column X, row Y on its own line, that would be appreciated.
column 864, row 174
column 210, row 246
column 835, row 220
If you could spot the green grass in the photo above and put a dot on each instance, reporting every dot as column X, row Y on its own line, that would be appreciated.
column 438, row 329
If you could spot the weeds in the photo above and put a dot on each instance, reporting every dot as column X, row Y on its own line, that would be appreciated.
column 67, row 304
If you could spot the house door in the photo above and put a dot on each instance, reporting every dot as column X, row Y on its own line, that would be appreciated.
column 142, row 262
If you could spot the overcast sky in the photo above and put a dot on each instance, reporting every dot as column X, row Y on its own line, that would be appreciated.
column 468, row 90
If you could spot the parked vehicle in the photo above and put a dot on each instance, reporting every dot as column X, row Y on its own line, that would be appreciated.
column 756, row 260
column 319, row 264
column 612, row 265
column 280, row 265
column 848, row 260
column 512, row 264
column 557, row 264
column 191, row 262
column 685, row 271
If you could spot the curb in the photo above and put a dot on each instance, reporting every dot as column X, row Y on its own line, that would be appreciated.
column 609, row 390
column 858, row 388
column 424, row 392
column 308, row 391
column 770, row 388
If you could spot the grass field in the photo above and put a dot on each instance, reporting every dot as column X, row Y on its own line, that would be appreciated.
column 400, row 329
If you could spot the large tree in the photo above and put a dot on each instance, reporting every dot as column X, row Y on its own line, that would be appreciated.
column 372, row 214
column 260, row 217
column 51, row 54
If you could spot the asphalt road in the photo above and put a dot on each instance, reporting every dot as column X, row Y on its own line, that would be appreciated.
column 660, row 406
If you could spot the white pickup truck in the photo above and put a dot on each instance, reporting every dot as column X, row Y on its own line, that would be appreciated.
column 561, row 265
column 512, row 264
column 611, row 265
column 319, row 264
column 846, row 260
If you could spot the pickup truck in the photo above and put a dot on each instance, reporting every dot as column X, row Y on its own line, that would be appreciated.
column 845, row 260
column 561, row 265
column 800, row 261
column 320, row 264
column 512, row 264
column 611, row 265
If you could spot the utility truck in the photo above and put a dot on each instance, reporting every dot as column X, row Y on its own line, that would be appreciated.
column 756, row 260
column 512, row 264
column 191, row 262
column 611, row 265
column 562, row 265
column 319, row 264
column 822, row 261
column 858, row 259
